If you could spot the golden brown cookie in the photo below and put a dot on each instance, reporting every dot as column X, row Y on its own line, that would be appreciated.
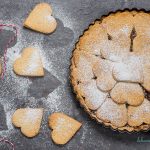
column 29, row 63
column 93, row 96
column 146, row 73
column 40, row 19
column 63, row 126
column 140, row 114
column 112, row 112
column 129, row 70
column 103, row 73
column 131, row 93
column 116, row 77
column 83, row 70
column 98, row 36
column 29, row 120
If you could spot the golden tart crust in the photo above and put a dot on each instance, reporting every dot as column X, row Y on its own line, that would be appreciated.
column 110, row 70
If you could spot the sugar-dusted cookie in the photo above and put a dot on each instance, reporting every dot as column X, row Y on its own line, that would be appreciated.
column 29, row 120
column 83, row 72
column 146, row 73
column 140, row 114
column 63, row 126
column 40, row 19
column 131, row 93
column 129, row 70
column 112, row 112
column 29, row 64
column 93, row 96
column 103, row 72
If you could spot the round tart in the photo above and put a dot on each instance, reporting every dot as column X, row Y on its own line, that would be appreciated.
column 110, row 70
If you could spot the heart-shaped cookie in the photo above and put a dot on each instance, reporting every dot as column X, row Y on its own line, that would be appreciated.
column 94, row 97
column 29, row 120
column 131, row 93
column 63, row 126
column 103, row 71
column 129, row 70
column 29, row 64
column 40, row 19
column 111, row 112
column 140, row 114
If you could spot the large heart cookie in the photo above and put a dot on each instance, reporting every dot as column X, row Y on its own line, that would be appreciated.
column 63, row 126
column 29, row 64
column 29, row 120
column 40, row 19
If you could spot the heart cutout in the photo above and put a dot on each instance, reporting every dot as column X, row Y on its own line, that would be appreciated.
column 42, row 87
column 40, row 19
column 140, row 114
column 29, row 120
column 63, row 126
column 130, row 93
column 29, row 64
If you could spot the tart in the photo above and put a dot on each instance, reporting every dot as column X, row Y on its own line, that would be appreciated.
column 110, row 70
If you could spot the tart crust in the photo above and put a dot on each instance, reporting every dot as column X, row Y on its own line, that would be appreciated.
column 92, row 49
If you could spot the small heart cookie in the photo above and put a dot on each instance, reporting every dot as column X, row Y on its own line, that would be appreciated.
column 40, row 19
column 83, row 71
column 112, row 112
column 29, row 64
column 29, row 120
column 129, row 70
column 63, row 126
column 94, row 97
column 103, row 71
column 140, row 114
column 131, row 93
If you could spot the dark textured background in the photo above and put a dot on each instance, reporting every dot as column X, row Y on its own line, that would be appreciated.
column 53, row 92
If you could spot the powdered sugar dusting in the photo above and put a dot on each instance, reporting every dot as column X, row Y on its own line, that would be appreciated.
column 129, row 70
column 93, row 97
column 125, row 29
column 34, row 62
column 53, row 101
column 118, row 115
column 32, row 115
column 141, row 112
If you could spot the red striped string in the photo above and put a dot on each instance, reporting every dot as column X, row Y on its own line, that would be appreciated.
column 8, row 142
column 7, row 45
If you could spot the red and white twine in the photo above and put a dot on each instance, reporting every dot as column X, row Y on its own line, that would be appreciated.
column 7, row 45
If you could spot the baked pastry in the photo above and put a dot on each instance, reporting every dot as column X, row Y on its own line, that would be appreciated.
column 41, row 20
column 110, row 70
column 29, row 63
column 63, row 127
column 29, row 120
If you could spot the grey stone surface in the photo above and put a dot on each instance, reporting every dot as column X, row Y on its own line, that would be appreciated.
column 73, row 17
